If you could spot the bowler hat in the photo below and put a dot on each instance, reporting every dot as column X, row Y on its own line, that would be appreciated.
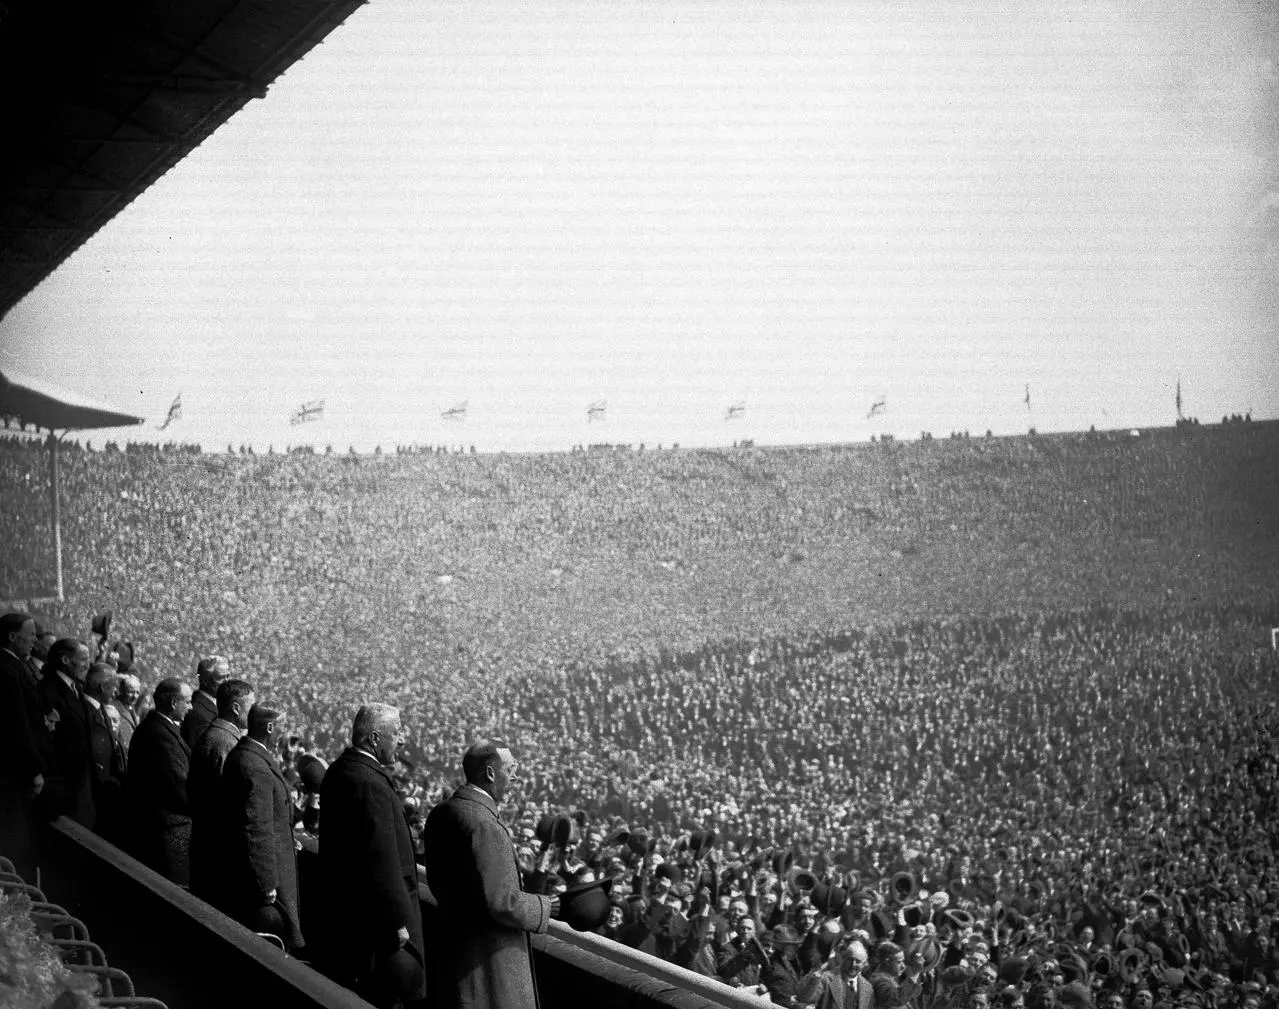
column 585, row 906
column 311, row 771
column 102, row 624
column 783, row 935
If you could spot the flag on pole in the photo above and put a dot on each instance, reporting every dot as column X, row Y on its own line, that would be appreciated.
column 1179, row 417
column 879, row 406
column 1027, row 399
column 595, row 411
column 308, row 411
column 175, row 412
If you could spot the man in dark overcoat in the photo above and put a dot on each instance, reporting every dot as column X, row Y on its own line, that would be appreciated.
column 159, row 761
column 22, row 748
column 235, row 699
column 210, row 672
column 62, row 690
column 483, row 954
column 256, row 811
column 373, row 942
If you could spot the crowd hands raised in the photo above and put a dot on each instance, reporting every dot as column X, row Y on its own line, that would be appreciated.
column 1076, row 809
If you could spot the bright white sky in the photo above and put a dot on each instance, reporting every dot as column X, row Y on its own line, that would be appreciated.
column 674, row 207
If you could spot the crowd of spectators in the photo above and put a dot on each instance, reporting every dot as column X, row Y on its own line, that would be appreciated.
column 1012, row 798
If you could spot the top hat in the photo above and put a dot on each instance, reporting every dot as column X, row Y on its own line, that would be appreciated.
column 102, row 624
column 545, row 828
column 586, row 906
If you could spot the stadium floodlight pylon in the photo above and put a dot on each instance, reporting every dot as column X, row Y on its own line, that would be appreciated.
column 29, row 401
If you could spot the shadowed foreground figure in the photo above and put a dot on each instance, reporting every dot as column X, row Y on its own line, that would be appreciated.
column 373, row 941
column 483, row 955
column 159, row 761
column 256, row 809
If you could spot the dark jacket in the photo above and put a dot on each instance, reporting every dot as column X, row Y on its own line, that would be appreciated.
column 159, row 761
column 20, row 759
column 207, row 843
column 72, row 745
column 256, row 809
column 486, row 918
column 367, row 870
column 203, row 710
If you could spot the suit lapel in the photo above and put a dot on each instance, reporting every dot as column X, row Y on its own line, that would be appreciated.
column 173, row 731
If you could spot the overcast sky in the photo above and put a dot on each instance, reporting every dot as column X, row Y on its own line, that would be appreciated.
column 675, row 207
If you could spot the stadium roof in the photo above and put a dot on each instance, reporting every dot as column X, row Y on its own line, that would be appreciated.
column 101, row 99
column 32, row 402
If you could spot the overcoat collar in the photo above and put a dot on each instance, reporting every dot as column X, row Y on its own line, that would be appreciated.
column 364, row 759
column 472, row 794
column 166, row 725
column 252, row 746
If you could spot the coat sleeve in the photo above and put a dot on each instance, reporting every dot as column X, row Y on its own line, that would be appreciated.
column 258, row 794
column 19, row 756
column 172, row 779
column 387, row 892
column 506, row 903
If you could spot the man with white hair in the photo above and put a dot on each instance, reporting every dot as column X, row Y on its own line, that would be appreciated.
column 126, row 706
column 374, row 934
column 211, row 671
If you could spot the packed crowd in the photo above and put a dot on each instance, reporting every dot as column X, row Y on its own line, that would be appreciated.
column 1050, row 803
column 1079, row 806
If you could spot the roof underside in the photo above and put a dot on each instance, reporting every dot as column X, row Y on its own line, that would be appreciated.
column 101, row 99
column 29, row 401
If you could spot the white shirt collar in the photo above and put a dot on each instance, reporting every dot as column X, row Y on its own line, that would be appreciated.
column 97, row 705
column 66, row 679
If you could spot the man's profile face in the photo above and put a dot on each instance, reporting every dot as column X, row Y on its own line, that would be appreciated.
column 389, row 741
column 240, row 712
column 23, row 639
column 80, row 663
column 505, row 769
column 128, row 693
column 182, row 703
